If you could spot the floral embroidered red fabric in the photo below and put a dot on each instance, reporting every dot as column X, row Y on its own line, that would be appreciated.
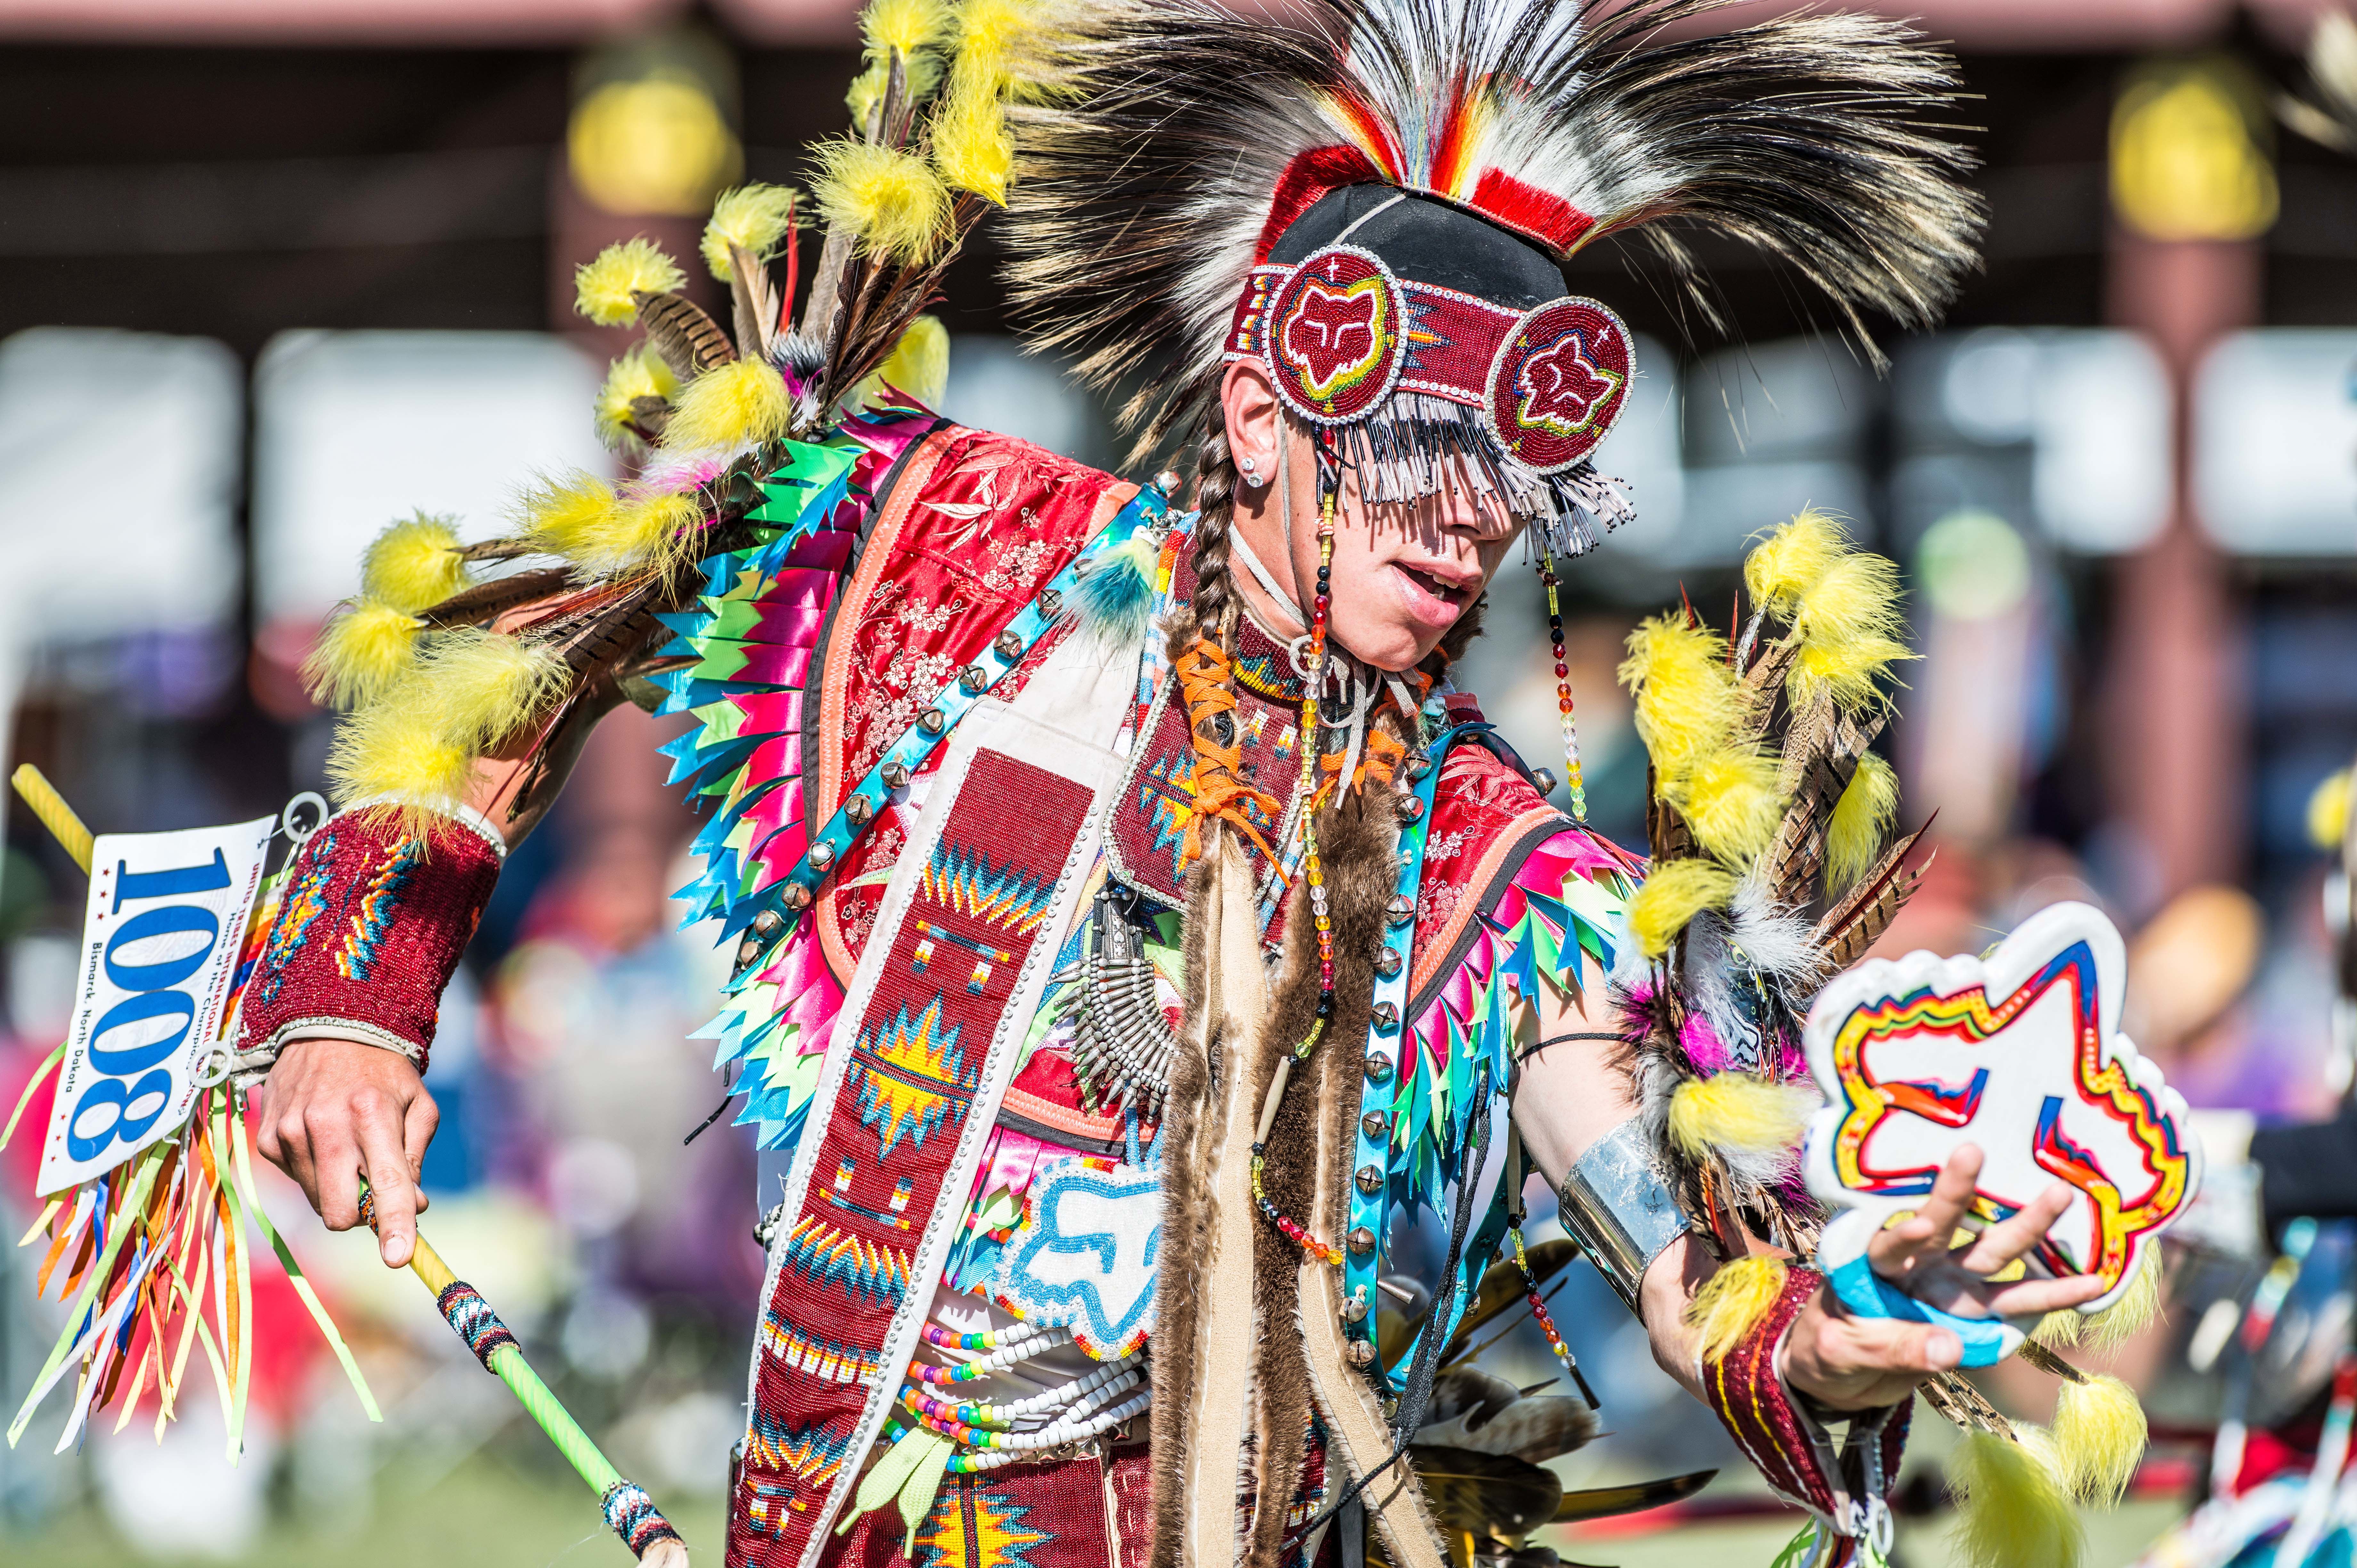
column 973, row 527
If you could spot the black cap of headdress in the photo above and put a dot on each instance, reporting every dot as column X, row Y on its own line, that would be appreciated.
column 1428, row 241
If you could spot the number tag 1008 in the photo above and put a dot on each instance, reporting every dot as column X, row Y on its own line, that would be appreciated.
column 160, row 942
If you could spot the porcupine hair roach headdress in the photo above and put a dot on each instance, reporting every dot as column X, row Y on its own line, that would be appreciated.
column 1376, row 199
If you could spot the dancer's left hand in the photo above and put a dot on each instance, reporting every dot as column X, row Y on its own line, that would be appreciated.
column 1850, row 1362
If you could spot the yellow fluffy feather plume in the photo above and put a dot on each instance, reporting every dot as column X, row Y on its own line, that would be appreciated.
column 398, row 748
column 570, row 516
column 1685, row 696
column 361, row 652
column 1728, row 798
column 487, row 686
column 892, row 200
column 2099, row 1435
column 603, row 289
column 2012, row 1509
column 1848, row 627
column 414, row 564
column 1736, row 1111
column 639, row 373
column 1734, row 1299
column 916, row 29
column 2059, row 1330
column 414, row 744
column 754, row 217
column 1861, row 820
column 919, row 364
column 2137, row 1306
column 1002, row 39
column 907, row 26
column 1787, row 562
column 970, row 144
column 581, row 518
column 745, row 400
column 1671, row 897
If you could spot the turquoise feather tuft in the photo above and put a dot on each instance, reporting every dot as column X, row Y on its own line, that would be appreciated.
column 1115, row 601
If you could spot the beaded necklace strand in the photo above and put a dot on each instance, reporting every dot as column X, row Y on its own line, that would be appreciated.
column 1002, row 1356
column 1002, row 1417
column 987, row 1459
column 1572, row 777
column 996, row 1338
column 1076, row 1410
column 1314, row 873
column 1546, row 1321
column 1085, row 1419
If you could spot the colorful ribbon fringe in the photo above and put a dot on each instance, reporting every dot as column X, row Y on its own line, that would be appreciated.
column 149, row 1248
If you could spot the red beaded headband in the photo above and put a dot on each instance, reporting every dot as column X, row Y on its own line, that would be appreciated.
column 1341, row 334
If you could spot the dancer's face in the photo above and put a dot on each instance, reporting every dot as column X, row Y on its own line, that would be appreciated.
column 1402, row 571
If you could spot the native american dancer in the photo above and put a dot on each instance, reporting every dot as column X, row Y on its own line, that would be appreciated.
column 1134, row 925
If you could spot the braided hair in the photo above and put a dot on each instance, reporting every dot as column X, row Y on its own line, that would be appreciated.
column 1215, row 489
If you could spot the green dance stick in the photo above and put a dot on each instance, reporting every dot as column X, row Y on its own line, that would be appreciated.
column 628, row 1509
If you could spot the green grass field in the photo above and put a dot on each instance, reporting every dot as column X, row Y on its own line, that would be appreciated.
column 493, row 1511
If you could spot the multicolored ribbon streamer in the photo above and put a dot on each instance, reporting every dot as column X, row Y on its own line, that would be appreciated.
column 163, row 1243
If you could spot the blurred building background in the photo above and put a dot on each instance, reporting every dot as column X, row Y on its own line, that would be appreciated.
column 274, row 273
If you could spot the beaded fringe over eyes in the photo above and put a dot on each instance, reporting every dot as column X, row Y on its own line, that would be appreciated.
column 1418, row 445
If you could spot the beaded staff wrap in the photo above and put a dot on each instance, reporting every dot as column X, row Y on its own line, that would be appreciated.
column 634, row 1517
column 371, row 919
column 464, row 1308
column 1791, row 1446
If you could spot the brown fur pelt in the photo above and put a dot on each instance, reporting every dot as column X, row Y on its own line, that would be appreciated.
column 1358, row 843
column 1186, row 1219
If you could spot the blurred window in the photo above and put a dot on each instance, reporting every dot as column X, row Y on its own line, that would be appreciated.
column 2064, row 431
column 2274, row 442
column 119, row 461
column 353, row 430
column 2100, row 426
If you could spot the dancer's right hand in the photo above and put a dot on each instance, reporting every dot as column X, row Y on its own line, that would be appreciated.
column 333, row 1110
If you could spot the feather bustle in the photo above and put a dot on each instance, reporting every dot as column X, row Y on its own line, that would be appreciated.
column 1828, row 760
column 753, row 303
column 488, row 601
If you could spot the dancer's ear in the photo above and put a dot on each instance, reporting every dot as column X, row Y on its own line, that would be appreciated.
column 1248, row 401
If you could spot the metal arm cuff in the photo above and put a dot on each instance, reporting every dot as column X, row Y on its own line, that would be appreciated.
column 1619, row 1209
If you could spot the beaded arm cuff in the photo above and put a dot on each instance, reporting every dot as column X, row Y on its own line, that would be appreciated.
column 371, row 919
column 1845, row 1486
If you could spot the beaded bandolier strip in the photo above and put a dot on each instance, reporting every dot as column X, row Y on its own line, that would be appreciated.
column 1003, row 789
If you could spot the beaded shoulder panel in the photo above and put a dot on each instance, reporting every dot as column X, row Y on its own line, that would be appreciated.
column 894, row 548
